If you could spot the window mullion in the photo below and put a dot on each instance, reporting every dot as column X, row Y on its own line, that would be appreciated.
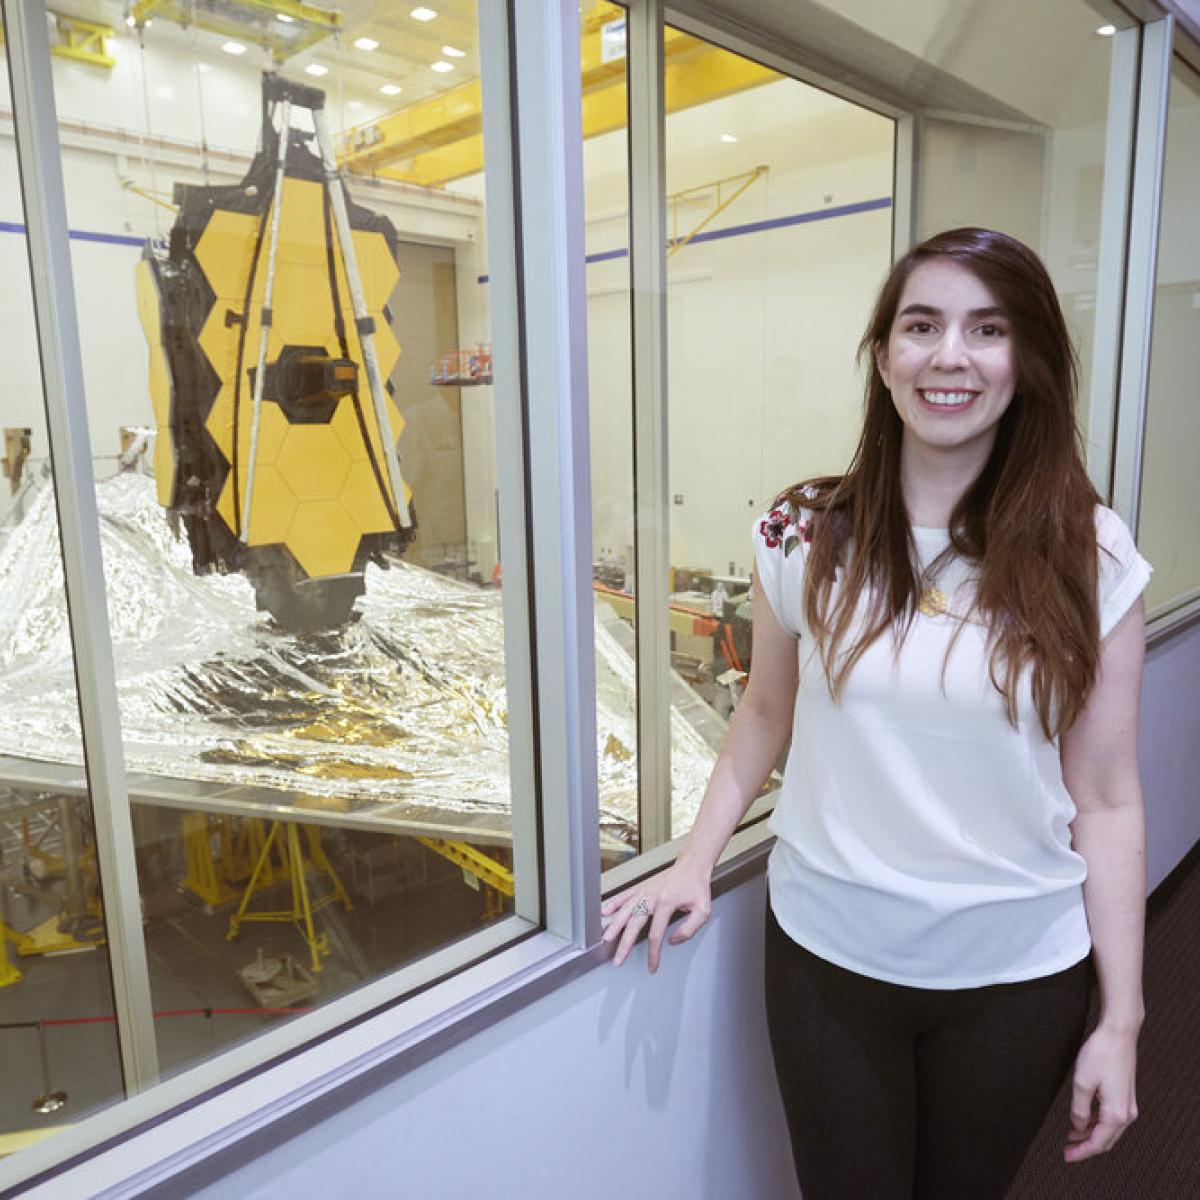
column 1145, row 207
column 546, row 61
column 1114, row 231
column 648, row 277
column 509, row 416
column 43, row 195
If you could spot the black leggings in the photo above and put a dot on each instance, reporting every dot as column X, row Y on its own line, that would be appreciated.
column 896, row 1093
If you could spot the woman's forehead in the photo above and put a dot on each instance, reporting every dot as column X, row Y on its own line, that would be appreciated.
column 944, row 284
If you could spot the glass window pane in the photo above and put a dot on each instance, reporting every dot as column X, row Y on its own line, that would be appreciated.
column 58, row 1044
column 779, row 200
column 1167, row 529
column 299, row 510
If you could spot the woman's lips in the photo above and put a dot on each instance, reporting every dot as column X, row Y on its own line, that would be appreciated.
column 947, row 399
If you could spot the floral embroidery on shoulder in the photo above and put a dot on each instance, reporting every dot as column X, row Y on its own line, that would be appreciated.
column 784, row 526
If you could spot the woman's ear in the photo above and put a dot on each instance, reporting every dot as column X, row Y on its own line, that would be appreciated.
column 881, row 364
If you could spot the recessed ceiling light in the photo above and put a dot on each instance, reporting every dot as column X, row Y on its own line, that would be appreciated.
column 316, row 69
column 354, row 104
column 131, row 20
column 422, row 14
column 453, row 52
column 284, row 18
column 1106, row 30
column 441, row 67
column 390, row 89
column 366, row 43
column 728, row 137
column 234, row 48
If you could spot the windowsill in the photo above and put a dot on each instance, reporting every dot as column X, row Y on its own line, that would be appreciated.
column 1170, row 619
column 304, row 1070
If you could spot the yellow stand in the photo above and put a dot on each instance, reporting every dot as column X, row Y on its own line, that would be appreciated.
column 8, row 973
column 294, row 865
column 218, row 858
column 204, row 879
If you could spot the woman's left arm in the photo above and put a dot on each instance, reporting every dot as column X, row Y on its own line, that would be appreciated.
column 1100, row 769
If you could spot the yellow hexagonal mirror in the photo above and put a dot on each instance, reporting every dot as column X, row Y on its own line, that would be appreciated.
column 271, row 347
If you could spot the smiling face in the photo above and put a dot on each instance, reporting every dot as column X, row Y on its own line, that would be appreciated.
column 949, row 362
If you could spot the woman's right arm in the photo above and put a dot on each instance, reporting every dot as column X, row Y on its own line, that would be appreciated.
column 757, row 734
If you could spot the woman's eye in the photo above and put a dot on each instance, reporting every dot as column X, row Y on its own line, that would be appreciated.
column 920, row 327
column 991, row 331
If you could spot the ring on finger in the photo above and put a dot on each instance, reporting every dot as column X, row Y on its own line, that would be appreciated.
column 641, row 908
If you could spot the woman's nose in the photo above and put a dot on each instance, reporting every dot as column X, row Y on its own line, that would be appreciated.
column 950, row 353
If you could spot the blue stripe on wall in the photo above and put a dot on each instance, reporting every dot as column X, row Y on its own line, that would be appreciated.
column 716, row 235
column 83, row 235
column 711, row 235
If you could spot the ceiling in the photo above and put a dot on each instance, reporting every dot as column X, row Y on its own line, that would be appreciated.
column 1021, row 60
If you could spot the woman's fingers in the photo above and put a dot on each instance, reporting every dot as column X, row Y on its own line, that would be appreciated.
column 689, row 926
column 615, row 903
column 633, row 927
column 653, row 903
column 1081, row 1108
column 658, row 929
column 1095, row 1130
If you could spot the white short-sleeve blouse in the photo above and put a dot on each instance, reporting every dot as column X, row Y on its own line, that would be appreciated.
column 921, row 838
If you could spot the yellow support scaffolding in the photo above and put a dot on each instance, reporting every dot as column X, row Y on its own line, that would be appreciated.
column 723, row 199
column 84, row 41
column 9, row 973
column 485, row 869
column 81, row 41
column 303, row 906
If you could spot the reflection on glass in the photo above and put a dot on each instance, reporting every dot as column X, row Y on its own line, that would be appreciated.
column 58, row 1045
column 289, row 392
column 1167, row 529
column 779, row 222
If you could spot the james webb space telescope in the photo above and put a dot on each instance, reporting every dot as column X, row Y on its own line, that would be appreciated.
column 270, row 353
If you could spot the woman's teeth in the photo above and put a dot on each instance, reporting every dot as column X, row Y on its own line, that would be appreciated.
column 948, row 399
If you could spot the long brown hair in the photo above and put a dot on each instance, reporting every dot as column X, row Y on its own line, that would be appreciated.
column 1027, row 521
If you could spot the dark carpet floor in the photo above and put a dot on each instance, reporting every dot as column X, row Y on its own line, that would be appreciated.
column 1158, row 1158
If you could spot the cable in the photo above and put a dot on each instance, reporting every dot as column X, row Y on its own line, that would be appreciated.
column 149, row 131
column 199, row 95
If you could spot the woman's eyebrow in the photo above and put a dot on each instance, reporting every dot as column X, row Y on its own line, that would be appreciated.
column 928, row 310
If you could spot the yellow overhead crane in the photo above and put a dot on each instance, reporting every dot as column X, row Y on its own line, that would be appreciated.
column 81, row 41
column 437, row 140
column 309, row 23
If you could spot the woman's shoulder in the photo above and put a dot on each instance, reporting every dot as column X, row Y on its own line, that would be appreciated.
column 1123, row 573
column 788, row 524
column 785, row 526
column 1113, row 539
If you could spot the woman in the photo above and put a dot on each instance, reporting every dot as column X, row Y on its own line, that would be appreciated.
column 956, row 624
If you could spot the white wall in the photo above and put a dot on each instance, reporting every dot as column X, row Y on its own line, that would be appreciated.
column 1169, row 751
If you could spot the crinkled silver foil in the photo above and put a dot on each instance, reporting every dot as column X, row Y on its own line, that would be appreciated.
column 404, row 707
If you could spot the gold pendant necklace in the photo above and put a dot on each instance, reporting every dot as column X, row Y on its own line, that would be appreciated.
column 933, row 601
